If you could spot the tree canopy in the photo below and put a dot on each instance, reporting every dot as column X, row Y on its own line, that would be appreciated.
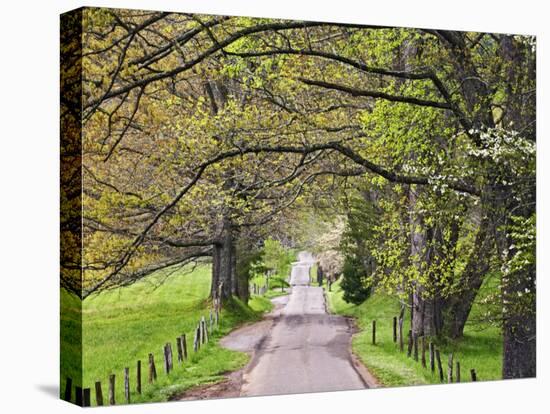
column 202, row 133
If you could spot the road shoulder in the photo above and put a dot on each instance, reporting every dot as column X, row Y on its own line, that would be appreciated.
column 368, row 378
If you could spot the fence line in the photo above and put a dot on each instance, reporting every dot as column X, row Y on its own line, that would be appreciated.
column 201, row 338
column 203, row 332
column 425, row 347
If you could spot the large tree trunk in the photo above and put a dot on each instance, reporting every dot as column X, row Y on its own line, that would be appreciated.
column 233, row 269
column 224, row 281
column 242, row 262
column 223, row 267
column 228, row 258
column 216, row 264
column 519, row 325
column 427, row 307
column 422, row 318
column 422, row 310
column 519, row 319
column 243, row 288
column 458, row 306
column 520, row 330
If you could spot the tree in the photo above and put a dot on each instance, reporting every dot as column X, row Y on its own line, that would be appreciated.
column 355, row 281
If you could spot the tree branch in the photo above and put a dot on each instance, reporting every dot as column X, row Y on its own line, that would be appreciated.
column 135, row 276
column 213, row 49
column 376, row 94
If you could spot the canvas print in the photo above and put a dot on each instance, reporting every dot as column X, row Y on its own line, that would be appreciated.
column 255, row 206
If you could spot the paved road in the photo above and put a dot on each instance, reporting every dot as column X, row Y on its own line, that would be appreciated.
column 306, row 349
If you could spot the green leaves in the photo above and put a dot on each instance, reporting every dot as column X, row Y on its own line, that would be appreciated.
column 206, row 101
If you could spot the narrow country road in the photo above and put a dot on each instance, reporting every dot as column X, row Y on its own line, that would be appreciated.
column 306, row 349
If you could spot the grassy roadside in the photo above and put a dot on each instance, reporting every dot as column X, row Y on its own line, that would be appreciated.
column 123, row 326
column 481, row 347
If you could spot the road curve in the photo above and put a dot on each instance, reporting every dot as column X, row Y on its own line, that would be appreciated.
column 306, row 349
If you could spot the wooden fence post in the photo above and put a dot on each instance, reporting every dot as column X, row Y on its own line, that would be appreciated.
column 415, row 347
column 432, row 358
column 170, row 356
column 409, row 348
column 138, row 377
column 184, row 346
column 179, row 348
column 152, row 369
column 196, row 340
column 211, row 323
column 68, row 389
column 98, row 394
column 374, row 332
column 86, row 400
column 423, row 348
column 166, row 359
column 78, row 396
column 439, row 367
column 457, row 371
column 401, row 342
column 473, row 374
column 395, row 329
column 127, row 385
column 204, row 330
column 112, row 389
column 450, row 369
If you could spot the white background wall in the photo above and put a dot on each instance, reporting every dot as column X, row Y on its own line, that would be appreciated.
column 29, row 203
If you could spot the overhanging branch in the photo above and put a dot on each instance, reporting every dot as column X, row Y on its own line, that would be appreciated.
column 376, row 94
column 346, row 151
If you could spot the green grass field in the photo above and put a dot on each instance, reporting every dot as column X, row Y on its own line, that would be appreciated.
column 481, row 347
column 125, row 325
